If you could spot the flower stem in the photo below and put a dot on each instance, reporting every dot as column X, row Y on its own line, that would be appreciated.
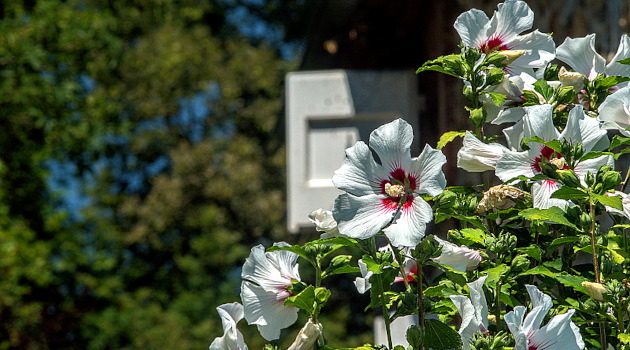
column 593, row 242
column 420, row 302
column 625, row 181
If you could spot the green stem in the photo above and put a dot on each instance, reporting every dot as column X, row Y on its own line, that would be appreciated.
column 381, row 287
column 497, row 310
column 420, row 301
column 625, row 181
column 593, row 241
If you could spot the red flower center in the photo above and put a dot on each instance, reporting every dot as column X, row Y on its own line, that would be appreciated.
column 494, row 44
column 399, row 186
column 548, row 155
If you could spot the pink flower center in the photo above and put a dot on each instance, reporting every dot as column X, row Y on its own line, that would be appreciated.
column 494, row 44
column 399, row 186
column 548, row 155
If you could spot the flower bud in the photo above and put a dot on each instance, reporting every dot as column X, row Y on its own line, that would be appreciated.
column 568, row 177
column 511, row 56
column 594, row 290
column 520, row 263
column 611, row 180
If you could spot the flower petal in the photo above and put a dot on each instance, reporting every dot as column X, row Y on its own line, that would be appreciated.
column 232, row 339
column 478, row 300
column 539, row 49
column 559, row 334
column 410, row 225
column 616, row 108
column 361, row 217
column 263, row 268
column 541, row 195
column 616, row 68
column 585, row 130
column 592, row 165
column 513, row 164
column 427, row 168
column 363, row 283
column 392, row 143
column 538, row 122
column 514, row 321
column 512, row 18
column 541, row 304
column 580, row 54
column 514, row 135
column 469, row 326
column 469, row 24
column 476, row 156
column 263, row 309
column 356, row 171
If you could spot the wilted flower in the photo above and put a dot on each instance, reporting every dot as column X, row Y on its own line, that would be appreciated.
column 266, row 276
column 232, row 339
column 324, row 222
column 572, row 79
column 388, row 192
column 499, row 197
column 501, row 32
column 594, row 290
column 560, row 333
column 473, row 310
column 459, row 258
column 308, row 336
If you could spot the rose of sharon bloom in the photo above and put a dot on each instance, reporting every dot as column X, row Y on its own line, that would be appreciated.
column 615, row 111
column 538, row 121
column 324, row 222
column 266, row 275
column 476, row 156
column 473, row 310
column 232, row 339
column 459, row 258
column 558, row 334
column 501, row 32
column 580, row 54
column 385, row 195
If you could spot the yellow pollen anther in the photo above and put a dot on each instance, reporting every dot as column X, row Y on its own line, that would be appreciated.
column 394, row 190
column 560, row 163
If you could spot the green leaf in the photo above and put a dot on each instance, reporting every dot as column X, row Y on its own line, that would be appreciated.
column 553, row 214
column 614, row 202
column 342, row 270
column 294, row 248
column 544, row 89
column 448, row 137
column 625, row 61
column 303, row 301
column 574, row 282
column 539, row 270
column 440, row 336
column 619, row 140
column 569, row 193
column 624, row 337
column 437, row 68
column 497, row 97
column 495, row 273
column 560, row 241
column 473, row 234
column 533, row 251
column 594, row 154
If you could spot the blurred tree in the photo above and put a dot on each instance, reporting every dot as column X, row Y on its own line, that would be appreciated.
column 170, row 118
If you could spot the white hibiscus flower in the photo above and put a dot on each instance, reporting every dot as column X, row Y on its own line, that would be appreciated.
column 473, row 310
column 460, row 258
column 232, row 339
column 580, row 54
column 266, row 275
column 363, row 283
column 560, row 333
column 385, row 195
column 501, row 32
column 615, row 111
column 580, row 129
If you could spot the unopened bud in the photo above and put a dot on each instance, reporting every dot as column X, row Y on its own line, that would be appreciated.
column 511, row 56
column 594, row 290
column 568, row 177
column 611, row 180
